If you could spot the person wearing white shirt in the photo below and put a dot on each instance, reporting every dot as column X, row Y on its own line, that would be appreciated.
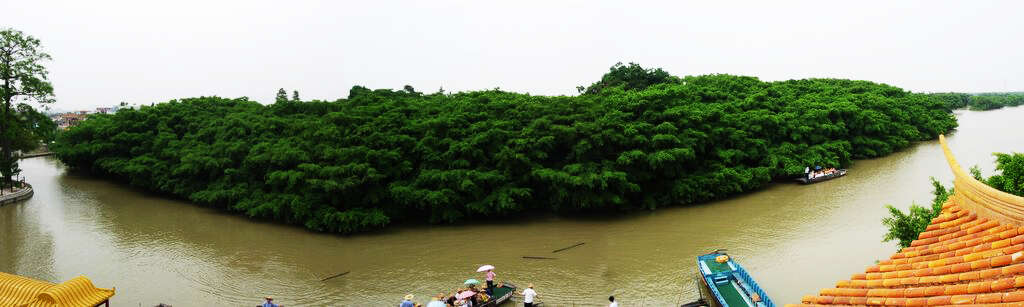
column 528, row 296
column 614, row 303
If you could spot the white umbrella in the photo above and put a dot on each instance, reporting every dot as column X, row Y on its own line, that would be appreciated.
column 485, row 268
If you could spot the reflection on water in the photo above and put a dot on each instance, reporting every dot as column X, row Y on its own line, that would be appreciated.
column 794, row 239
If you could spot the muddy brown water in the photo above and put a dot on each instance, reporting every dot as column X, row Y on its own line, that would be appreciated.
column 794, row 240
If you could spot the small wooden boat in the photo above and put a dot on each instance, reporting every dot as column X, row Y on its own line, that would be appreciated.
column 727, row 284
column 838, row 173
column 502, row 293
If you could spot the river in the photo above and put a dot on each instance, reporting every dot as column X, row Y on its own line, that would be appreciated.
column 793, row 239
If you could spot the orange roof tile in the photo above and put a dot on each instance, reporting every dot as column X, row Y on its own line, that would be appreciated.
column 972, row 253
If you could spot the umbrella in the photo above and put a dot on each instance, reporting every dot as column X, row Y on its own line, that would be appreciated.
column 436, row 304
column 485, row 268
column 465, row 294
column 472, row 282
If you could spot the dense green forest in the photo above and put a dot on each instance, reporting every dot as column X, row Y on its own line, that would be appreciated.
column 981, row 101
column 637, row 139
column 906, row 227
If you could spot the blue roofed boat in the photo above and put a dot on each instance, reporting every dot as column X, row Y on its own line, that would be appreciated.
column 727, row 284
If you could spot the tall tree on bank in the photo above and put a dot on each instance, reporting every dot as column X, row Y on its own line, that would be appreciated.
column 281, row 96
column 24, row 79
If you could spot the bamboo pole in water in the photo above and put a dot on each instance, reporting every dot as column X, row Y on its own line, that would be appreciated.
column 562, row 249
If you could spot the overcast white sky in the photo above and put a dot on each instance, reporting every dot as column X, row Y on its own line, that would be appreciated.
column 148, row 51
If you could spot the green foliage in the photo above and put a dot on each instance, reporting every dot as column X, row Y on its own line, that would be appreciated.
column 282, row 95
column 975, row 172
column 1011, row 173
column 906, row 227
column 1011, row 177
column 29, row 127
column 23, row 79
column 989, row 101
column 629, row 77
column 382, row 156
column 982, row 101
column 953, row 100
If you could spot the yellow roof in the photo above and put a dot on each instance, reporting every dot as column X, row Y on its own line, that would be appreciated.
column 22, row 291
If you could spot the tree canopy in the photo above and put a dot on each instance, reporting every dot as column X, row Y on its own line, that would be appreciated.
column 629, row 77
column 23, row 79
column 382, row 156
column 981, row 101
column 1011, row 173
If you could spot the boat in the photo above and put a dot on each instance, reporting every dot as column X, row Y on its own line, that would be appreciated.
column 727, row 284
column 502, row 293
column 838, row 173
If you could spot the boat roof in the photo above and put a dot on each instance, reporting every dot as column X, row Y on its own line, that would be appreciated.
column 23, row 291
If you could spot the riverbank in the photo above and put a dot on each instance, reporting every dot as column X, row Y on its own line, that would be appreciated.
column 12, row 195
column 36, row 154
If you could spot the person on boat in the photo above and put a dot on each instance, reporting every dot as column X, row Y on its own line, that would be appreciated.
column 269, row 302
column 451, row 298
column 490, row 282
column 436, row 301
column 613, row 302
column 459, row 301
column 528, row 296
column 407, row 302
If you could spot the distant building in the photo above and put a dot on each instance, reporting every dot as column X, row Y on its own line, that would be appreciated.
column 70, row 119
column 107, row 110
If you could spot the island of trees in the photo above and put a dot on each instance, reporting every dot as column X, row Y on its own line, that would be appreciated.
column 638, row 139
column 981, row 101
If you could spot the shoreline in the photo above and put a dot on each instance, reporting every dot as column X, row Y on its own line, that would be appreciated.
column 20, row 195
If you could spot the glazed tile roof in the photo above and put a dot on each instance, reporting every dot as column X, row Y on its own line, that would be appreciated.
column 972, row 253
column 21, row 291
